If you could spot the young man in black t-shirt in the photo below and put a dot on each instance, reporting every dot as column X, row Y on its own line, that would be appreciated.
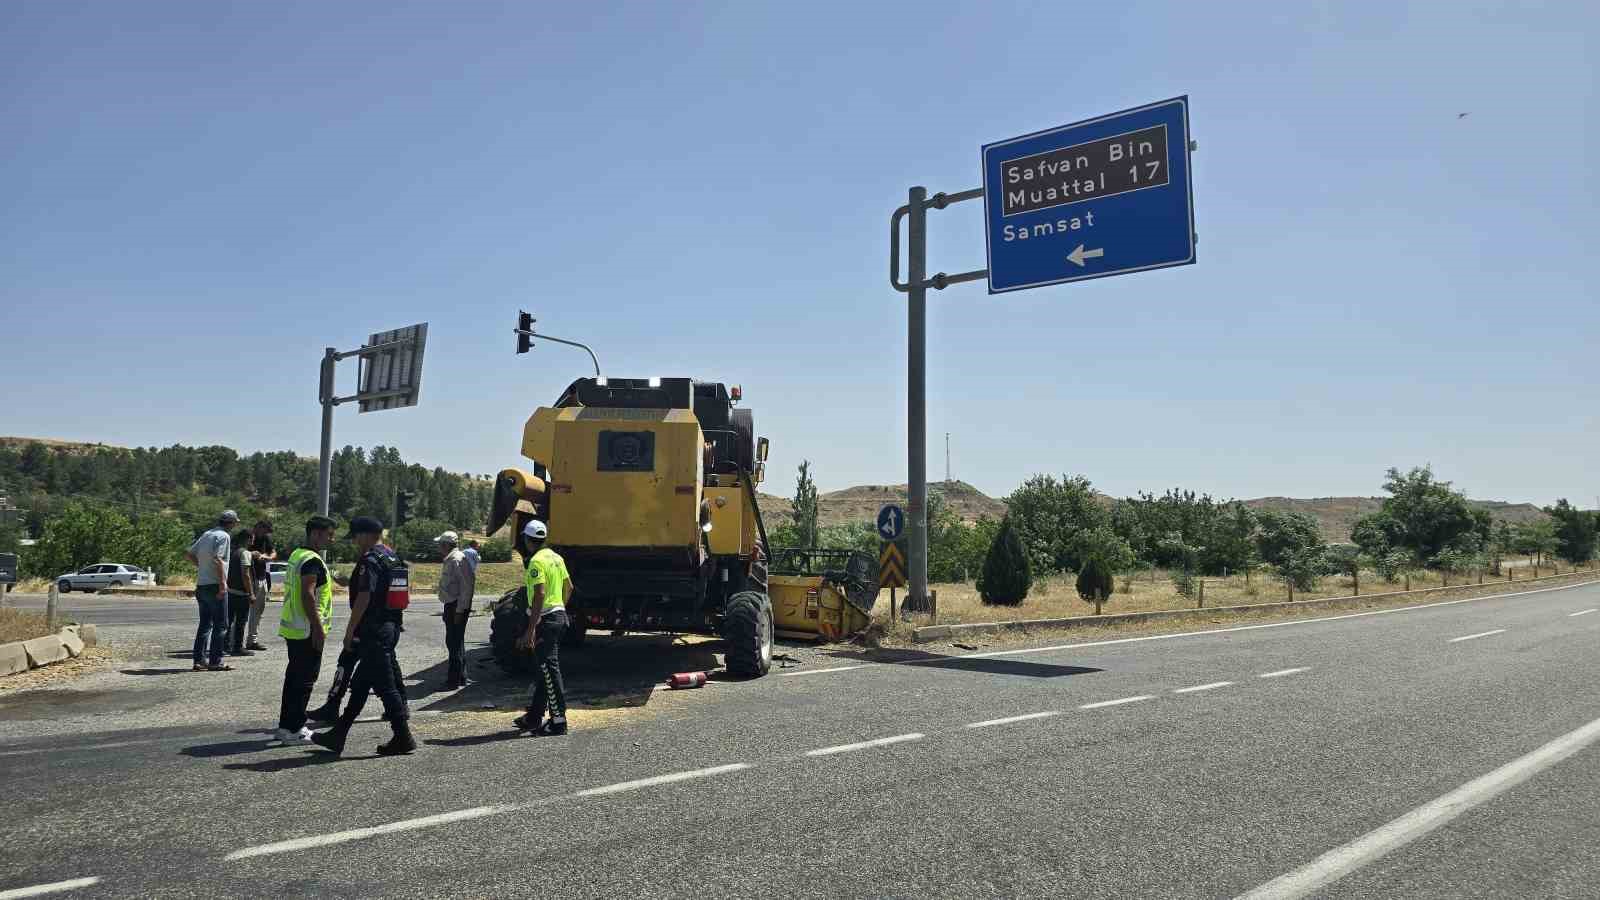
column 239, row 593
column 262, row 551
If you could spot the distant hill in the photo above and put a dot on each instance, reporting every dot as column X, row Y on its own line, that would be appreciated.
column 861, row 503
column 1335, row 515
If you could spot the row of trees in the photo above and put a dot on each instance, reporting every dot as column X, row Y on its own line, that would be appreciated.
column 152, row 502
column 1058, row 526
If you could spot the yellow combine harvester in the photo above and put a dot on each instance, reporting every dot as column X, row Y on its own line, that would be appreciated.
column 649, row 490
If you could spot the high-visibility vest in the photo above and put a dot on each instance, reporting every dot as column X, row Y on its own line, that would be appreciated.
column 547, row 568
column 295, row 624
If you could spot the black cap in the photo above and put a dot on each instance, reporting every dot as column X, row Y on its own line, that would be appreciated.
column 320, row 523
column 364, row 525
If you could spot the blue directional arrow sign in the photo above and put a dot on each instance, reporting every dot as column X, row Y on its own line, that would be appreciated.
column 1102, row 197
column 891, row 523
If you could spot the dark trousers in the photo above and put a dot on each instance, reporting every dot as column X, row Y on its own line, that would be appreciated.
column 455, row 642
column 299, row 680
column 239, row 616
column 213, row 624
column 377, row 672
column 548, row 690
column 345, row 669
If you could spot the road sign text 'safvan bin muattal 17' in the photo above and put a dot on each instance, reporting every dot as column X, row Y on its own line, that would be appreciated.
column 1106, row 196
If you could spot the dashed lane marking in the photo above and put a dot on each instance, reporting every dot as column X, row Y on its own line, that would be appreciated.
column 356, row 834
column 824, row 671
column 1581, row 612
column 1473, row 637
column 73, row 748
column 865, row 745
column 1104, row 703
column 1341, row 861
column 55, row 887
column 1203, row 687
column 1282, row 672
column 1009, row 719
column 661, row 779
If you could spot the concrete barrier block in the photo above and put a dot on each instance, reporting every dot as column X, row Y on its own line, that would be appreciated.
column 13, row 658
column 89, row 634
column 45, row 650
column 71, row 641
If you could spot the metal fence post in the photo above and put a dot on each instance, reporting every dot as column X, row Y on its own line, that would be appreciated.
column 50, row 607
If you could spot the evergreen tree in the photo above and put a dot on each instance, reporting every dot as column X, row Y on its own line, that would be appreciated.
column 1007, row 574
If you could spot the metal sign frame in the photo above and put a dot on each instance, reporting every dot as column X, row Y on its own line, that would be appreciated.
column 389, row 375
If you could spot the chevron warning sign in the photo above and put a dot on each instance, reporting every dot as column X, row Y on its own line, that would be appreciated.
column 892, row 564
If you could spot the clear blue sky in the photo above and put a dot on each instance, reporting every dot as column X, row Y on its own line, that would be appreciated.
column 196, row 198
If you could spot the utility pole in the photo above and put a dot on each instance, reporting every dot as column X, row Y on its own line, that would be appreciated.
column 947, row 459
column 916, row 397
column 390, row 378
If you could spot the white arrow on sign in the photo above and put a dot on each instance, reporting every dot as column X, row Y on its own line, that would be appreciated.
column 1080, row 254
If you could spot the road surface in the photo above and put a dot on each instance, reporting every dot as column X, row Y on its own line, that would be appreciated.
column 1451, row 750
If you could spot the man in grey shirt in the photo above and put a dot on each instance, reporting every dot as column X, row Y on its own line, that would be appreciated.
column 209, row 553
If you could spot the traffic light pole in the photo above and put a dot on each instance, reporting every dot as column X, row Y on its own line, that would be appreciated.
column 915, row 287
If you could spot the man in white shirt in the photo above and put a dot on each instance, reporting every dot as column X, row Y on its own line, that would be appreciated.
column 209, row 553
column 457, row 581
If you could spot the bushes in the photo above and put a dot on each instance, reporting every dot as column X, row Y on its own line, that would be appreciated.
column 1095, row 581
column 495, row 550
column 1006, row 575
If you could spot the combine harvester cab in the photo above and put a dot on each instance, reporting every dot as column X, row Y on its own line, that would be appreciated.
column 649, row 490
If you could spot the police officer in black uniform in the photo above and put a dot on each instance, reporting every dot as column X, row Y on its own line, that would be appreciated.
column 373, row 632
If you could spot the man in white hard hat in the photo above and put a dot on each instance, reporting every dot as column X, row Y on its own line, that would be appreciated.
column 457, row 581
column 548, row 588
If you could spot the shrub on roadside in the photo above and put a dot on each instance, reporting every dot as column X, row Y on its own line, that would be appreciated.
column 1006, row 575
column 1095, row 581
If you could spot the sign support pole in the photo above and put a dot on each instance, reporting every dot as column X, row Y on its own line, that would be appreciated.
column 916, row 399
column 330, row 356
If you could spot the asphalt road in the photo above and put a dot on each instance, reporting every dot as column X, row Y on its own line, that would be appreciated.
column 1445, row 751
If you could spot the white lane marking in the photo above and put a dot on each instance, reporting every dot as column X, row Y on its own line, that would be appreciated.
column 1282, row 672
column 355, row 834
column 56, row 887
column 76, row 747
column 1581, row 612
column 1105, row 703
column 660, row 779
column 864, row 745
column 1341, row 861
column 1009, row 719
column 1184, row 634
column 826, row 671
column 1203, row 687
column 1473, row 637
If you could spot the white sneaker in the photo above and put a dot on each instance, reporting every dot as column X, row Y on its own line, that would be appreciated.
column 303, row 736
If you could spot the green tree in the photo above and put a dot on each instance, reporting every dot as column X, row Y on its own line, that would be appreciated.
column 1421, row 514
column 807, row 532
column 1007, row 573
column 1574, row 532
column 1537, row 540
column 81, row 535
column 1282, row 536
column 1047, row 512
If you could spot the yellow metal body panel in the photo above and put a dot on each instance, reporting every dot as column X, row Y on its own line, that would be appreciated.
column 803, row 603
column 594, row 508
column 727, row 520
column 539, row 435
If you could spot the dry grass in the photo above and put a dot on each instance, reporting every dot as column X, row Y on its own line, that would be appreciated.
column 1053, row 598
column 21, row 625
column 493, row 578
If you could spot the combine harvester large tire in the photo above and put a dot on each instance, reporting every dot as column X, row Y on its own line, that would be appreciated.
column 747, row 627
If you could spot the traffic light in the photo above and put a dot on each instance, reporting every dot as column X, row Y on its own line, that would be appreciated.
column 402, row 507
column 524, row 332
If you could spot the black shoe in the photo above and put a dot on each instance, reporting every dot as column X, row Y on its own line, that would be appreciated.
column 332, row 739
column 327, row 712
column 553, row 728
column 241, row 653
column 257, row 646
column 402, row 742
column 455, row 684
column 528, row 722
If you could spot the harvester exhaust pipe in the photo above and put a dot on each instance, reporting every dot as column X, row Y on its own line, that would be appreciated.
column 510, row 486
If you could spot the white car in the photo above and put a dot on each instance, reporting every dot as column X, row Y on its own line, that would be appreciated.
column 104, row 575
column 275, row 572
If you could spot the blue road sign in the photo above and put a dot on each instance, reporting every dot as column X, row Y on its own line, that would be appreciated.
column 1102, row 197
column 891, row 522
